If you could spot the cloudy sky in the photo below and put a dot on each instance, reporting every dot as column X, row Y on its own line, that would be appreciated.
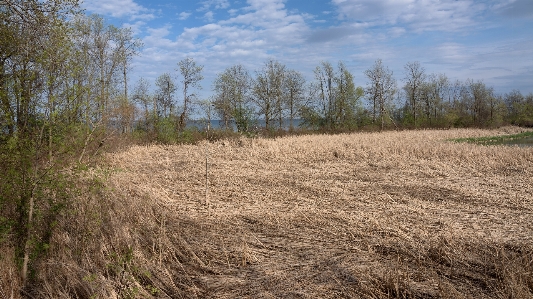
column 483, row 40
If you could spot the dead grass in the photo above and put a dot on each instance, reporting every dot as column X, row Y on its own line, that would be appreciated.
column 366, row 215
column 401, row 214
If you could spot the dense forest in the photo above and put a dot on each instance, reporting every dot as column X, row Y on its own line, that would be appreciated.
column 64, row 91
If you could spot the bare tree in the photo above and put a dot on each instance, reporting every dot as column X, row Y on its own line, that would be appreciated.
column 141, row 96
column 103, row 55
column 191, row 74
column 325, row 78
column 102, row 50
column 346, row 98
column 333, row 97
column 381, row 88
column 232, row 95
column 127, row 48
column 433, row 92
column 414, row 78
column 207, row 106
column 294, row 93
column 481, row 98
column 512, row 102
column 268, row 91
column 165, row 94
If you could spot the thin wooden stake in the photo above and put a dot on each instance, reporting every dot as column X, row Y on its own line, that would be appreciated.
column 207, row 167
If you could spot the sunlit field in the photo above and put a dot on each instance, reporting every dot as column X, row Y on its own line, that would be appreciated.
column 382, row 214
column 369, row 215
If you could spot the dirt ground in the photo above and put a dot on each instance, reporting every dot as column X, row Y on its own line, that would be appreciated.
column 369, row 215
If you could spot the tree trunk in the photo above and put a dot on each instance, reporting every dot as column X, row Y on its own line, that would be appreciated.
column 27, row 244
column 181, row 123
column 125, row 85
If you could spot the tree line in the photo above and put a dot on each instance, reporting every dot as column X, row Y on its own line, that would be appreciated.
column 332, row 101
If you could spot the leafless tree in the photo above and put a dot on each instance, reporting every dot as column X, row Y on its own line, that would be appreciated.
column 142, row 97
column 414, row 78
column 294, row 93
column 166, row 88
column 191, row 75
column 232, row 94
column 325, row 78
column 268, row 91
column 127, row 48
column 381, row 88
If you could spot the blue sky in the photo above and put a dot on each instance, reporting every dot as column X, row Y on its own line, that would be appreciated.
column 481, row 40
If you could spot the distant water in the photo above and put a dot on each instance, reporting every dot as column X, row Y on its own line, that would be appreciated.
column 219, row 124
column 523, row 142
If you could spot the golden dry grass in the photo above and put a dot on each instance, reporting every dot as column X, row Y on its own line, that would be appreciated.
column 369, row 215
column 365, row 215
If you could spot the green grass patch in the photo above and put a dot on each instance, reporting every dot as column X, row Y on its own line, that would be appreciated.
column 495, row 140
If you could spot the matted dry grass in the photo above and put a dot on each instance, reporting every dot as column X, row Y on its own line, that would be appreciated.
column 366, row 215
column 394, row 214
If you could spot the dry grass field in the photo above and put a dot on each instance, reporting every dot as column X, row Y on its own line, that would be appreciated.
column 365, row 215
column 395, row 214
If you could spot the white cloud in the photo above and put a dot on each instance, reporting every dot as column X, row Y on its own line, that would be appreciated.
column 209, row 16
column 396, row 31
column 418, row 15
column 370, row 10
column 260, row 30
column 367, row 30
column 263, row 20
column 352, row 33
column 158, row 39
column 213, row 4
column 451, row 53
column 516, row 8
column 184, row 15
column 136, row 27
column 119, row 9
column 503, row 63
